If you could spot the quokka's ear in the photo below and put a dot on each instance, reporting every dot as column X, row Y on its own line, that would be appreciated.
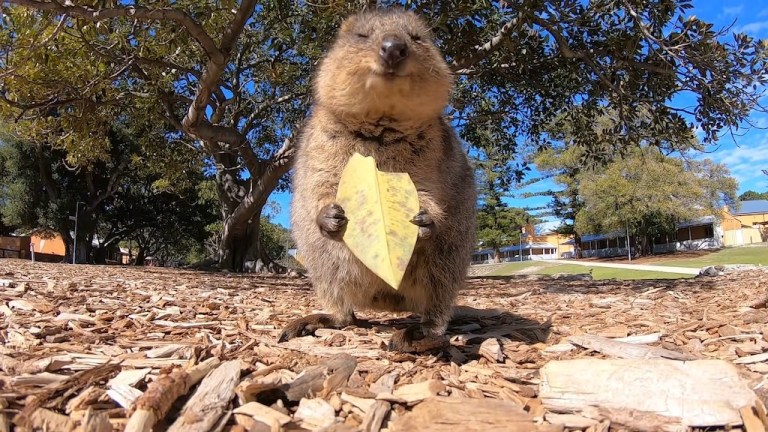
column 349, row 23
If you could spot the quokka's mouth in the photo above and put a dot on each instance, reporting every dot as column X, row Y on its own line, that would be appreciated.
column 389, row 73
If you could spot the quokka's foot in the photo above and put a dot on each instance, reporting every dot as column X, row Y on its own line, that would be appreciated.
column 306, row 326
column 416, row 339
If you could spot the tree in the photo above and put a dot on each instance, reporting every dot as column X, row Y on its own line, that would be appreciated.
column 563, row 164
column 648, row 193
column 40, row 189
column 116, row 197
column 752, row 195
column 498, row 225
column 232, row 78
column 162, row 223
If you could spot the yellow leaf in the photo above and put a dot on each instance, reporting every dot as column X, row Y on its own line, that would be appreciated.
column 379, row 207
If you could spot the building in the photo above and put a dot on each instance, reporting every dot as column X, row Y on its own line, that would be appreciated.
column 48, row 242
column 548, row 245
column 748, row 225
column 49, row 246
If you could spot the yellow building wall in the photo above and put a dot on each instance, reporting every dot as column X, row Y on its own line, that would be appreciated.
column 744, row 229
column 754, row 219
column 551, row 238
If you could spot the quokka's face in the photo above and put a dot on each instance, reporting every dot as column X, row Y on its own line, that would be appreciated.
column 384, row 64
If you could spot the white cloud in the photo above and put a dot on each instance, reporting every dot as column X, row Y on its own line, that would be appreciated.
column 746, row 161
column 752, row 28
column 733, row 10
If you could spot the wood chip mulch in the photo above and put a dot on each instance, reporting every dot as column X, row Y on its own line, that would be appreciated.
column 102, row 348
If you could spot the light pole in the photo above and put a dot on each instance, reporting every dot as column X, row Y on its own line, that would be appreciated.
column 74, row 246
column 629, row 248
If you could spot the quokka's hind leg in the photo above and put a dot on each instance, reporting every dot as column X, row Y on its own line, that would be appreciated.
column 306, row 326
column 430, row 333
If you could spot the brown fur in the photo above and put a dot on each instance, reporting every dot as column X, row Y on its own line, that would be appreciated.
column 397, row 119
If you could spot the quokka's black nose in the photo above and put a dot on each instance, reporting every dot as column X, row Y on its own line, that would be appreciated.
column 393, row 50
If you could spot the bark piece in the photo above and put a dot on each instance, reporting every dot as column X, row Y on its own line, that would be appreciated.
column 444, row 414
column 626, row 350
column 5, row 422
column 47, row 420
column 645, row 394
column 374, row 418
column 96, row 421
column 385, row 383
column 208, row 403
column 323, row 379
column 155, row 403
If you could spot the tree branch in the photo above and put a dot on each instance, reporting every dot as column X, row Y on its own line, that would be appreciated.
column 266, row 105
column 567, row 52
column 195, row 30
column 215, row 67
column 461, row 66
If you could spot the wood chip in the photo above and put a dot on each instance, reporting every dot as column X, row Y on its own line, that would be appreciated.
column 643, row 392
column 411, row 393
column 375, row 416
column 124, row 395
column 47, row 420
column 626, row 350
column 323, row 379
column 208, row 403
column 752, row 422
column 491, row 349
column 74, row 332
column 385, row 384
column 757, row 358
column 442, row 414
column 315, row 413
column 129, row 377
column 96, row 421
column 263, row 413
column 363, row 404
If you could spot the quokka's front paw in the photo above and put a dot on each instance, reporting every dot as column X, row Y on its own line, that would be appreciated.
column 332, row 221
column 425, row 223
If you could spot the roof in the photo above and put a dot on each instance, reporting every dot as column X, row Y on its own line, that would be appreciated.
column 513, row 248
column 752, row 207
column 706, row 220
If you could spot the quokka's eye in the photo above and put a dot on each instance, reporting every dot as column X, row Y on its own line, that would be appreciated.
column 362, row 35
column 416, row 38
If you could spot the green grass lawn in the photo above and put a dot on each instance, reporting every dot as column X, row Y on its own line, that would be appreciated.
column 742, row 255
column 548, row 268
column 745, row 255
column 609, row 273
column 513, row 267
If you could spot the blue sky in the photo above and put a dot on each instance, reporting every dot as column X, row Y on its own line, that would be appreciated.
column 745, row 156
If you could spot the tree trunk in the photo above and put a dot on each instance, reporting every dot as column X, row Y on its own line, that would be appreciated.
column 141, row 256
column 241, row 248
column 577, row 246
column 100, row 254
column 496, row 255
